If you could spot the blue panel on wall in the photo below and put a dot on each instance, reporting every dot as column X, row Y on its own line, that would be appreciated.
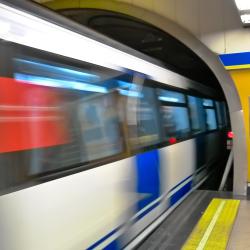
column 235, row 59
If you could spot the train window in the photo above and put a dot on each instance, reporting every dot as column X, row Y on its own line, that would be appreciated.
column 224, row 114
column 174, row 113
column 99, row 126
column 170, row 96
column 207, row 103
column 211, row 119
column 60, row 114
column 219, row 110
column 211, row 122
column 197, row 114
column 142, row 117
column 175, row 122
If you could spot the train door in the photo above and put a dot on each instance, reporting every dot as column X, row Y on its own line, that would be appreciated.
column 144, row 136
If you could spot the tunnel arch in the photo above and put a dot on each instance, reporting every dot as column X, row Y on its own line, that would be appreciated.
column 209, row 57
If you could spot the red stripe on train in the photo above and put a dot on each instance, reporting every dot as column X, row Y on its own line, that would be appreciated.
column 30, row 116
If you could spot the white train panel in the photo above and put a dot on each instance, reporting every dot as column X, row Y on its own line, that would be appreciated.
column 68, row 213
column 180, row 162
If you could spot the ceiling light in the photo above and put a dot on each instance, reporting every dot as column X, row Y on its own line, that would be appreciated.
column 245, row 18
column 243, row 4
column 58, row 83
column 244, row 11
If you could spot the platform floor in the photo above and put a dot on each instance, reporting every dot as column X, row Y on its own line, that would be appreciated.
column 240, row 236
column 175, row 230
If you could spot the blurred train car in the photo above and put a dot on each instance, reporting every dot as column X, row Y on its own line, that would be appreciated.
column 96, row 143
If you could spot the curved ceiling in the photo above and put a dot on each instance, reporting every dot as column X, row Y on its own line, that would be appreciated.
column 148, row 40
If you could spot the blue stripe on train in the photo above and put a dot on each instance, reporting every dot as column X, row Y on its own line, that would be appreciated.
column 100, row 241
column 180, row 183
column 180, row 193
column 152, row 207
column 114, row 245
column 148, row 177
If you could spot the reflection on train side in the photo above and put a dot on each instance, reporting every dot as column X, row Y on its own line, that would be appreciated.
column 54, row 116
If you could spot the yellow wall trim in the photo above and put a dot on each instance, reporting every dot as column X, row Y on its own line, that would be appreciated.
column 243, row 66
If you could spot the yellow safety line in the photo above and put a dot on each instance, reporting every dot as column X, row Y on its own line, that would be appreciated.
column 213, row 230
column 211, row 226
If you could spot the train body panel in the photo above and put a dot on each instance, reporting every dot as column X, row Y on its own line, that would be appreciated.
column 64, row 214
column 180, row 162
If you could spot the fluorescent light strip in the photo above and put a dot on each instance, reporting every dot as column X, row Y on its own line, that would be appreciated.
column 22, row 28
column 130, row 93
column 168, row 99
column 128, row 85
column 243, row 4
column 65, row 71
column 56, row 83
column 245, row 18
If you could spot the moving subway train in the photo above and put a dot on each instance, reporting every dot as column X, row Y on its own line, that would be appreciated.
column 96, row 143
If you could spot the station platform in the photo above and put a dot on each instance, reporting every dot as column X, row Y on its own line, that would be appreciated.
column 205, row 220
